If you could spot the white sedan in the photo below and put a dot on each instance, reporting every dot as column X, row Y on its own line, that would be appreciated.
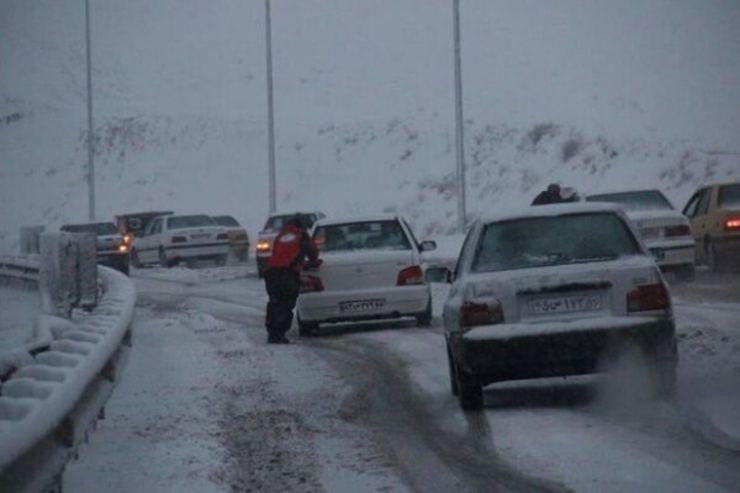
column 551, row 291
column 665, row 230
column 167, row 240
column 371, row 269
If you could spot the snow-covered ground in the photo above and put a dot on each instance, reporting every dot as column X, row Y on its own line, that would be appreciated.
column 206, row 405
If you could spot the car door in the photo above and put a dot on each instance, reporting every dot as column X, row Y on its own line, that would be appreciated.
column 148, row 252
column 697, row 209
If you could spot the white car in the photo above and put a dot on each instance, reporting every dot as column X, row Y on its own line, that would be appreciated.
column 167, row 240
column 665, row 230
column 552, row 291
column 372, row 269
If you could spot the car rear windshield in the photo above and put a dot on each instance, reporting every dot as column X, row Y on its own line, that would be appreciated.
column 180, row 222
column 277, row 222
column 729, row 196
column 226, row 221
column 635, row 201
column 366, row 235
column 101, row 229
column 554, row 240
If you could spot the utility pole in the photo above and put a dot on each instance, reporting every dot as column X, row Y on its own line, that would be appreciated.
column 270, row 117
column 90, row 136
column 459, row 136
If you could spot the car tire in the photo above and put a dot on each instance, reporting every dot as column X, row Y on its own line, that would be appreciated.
column 471, row 396
column 665, row 381
column 163, row 259
column 307, row 329
column 686, row 273
column 135, row 259
column 424, row 319
column 221, row 260
column 712, row 260
column 453, row 373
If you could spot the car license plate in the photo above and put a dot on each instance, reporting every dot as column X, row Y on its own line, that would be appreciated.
column 658, row 254
column 361, row 306
column 569, row 304
column 200, row 236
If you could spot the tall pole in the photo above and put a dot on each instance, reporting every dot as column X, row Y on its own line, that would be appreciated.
column 90, row 136
column 270, row 117
column 459, row 137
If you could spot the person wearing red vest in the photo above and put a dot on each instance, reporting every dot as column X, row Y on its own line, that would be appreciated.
column 291, row 250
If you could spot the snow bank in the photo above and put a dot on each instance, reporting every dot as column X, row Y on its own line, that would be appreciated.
column 41, row 394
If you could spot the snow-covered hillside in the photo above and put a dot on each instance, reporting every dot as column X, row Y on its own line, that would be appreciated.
column 593, row 95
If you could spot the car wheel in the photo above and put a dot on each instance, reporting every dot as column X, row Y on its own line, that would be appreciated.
column 163, row 259
column 712, row 260
column 453, row 373
column 221, row 260
column 135, row 259
column 471, row 396
column 665, row 381
column 424, row 319
column 686, row 272
column 306, row 329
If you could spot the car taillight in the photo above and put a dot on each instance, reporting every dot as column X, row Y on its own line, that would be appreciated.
column 474, row 313
column 680, row 230
column 648, row 297
column 263, row 246
column 222, row 236
column 179, row 239
column 732, row 224
column 311, row 284
column 410, row 276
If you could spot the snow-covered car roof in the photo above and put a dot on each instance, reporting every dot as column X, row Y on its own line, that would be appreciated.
column 357, row 219
column 551, row 211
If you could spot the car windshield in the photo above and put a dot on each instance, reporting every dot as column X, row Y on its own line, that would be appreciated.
column 635, row 201
column 729, row 196
column 180, row 222
column 277, row 222
column 226, row 221
column 540, row 241
column 366, row 235
column 100, row 229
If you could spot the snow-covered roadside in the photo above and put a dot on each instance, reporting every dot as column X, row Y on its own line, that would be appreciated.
column 38, row 396
column 19, row 306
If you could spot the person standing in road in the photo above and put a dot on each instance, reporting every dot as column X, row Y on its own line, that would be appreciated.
column 549, row 196
column 291, row 250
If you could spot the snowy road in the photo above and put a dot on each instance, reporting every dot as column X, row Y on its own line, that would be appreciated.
column 205, row 405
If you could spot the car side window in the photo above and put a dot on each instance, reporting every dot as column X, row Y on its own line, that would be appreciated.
column 690, row 209
column 703, row 207
column 156, row 227
column 410, row 233
column 466, row 246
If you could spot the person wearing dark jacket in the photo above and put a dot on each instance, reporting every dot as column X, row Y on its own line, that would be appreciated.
column 549, row 196
column 291, row 250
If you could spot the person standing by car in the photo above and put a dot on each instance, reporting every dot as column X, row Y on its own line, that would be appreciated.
column 292, row 249
column 549, row 196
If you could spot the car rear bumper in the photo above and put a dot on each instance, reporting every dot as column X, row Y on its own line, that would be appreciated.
column 673, row 253
column 563, row 349
column 198, row 251
column 326, row 306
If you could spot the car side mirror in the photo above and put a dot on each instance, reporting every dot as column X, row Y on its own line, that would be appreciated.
column 428, row 246
column 438, row 274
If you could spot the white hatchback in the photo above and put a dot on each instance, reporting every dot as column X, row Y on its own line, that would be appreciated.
column 372, row 269
column 170, row 239
column 665, row 230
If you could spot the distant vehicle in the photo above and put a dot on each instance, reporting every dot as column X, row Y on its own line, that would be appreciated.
column 112, row 248
column 134, row 224
column 714, row 212
column 171, row 239
column 371, row 270
column 665, row 230
column 263, row 248
column 536, row 294
column 238, row 237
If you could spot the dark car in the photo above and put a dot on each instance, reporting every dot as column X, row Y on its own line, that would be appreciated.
column 112, row 248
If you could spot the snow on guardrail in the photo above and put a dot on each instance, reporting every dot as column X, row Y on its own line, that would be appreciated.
column 37, row 398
